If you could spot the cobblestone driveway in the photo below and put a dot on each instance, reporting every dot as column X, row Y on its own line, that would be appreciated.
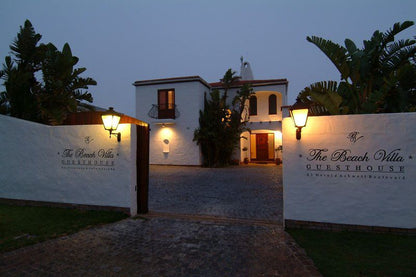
column 250, row 192
column 204, row 222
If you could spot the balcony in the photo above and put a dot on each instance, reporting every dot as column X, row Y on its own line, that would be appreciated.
column 168, row 111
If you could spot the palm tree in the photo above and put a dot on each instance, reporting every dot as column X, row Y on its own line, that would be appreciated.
column 220, row 125
column 227, row 82
column 62, row 85
column 61, row 88
column 18, row 74
column 380, row 77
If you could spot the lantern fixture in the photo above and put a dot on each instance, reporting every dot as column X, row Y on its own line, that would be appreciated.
column 299, row 113
column 111, row 119
column 226, row 115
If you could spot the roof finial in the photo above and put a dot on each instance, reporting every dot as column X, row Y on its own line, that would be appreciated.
column 245, row 70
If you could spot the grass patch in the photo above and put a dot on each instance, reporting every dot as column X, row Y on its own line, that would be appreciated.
column 358, row 254
column 25, row 225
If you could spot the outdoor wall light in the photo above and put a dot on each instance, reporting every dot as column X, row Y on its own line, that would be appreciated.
column 226, row 115
column 111, row 120
column 299, row 113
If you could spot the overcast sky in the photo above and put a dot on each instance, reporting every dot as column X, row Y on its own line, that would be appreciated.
column 120, row 42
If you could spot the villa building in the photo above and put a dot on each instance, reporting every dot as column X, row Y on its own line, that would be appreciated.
column 171, row 107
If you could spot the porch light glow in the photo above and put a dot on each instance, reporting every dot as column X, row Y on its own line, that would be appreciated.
column 227, row 115
column 111, row 120
column 166, row 133
column 299, row 113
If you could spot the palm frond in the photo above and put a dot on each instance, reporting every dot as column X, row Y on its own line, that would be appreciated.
column 82, row 95
column 325, row 94
column 389, row 35
column 395, row 47
column 335, row 52
column 401, row 57
column 350, row 46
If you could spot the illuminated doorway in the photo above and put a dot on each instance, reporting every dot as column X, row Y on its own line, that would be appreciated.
column 262, row 147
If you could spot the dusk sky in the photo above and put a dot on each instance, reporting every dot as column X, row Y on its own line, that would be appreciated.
column 120, row 42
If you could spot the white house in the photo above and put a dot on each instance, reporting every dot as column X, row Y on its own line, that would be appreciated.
column 171, row 106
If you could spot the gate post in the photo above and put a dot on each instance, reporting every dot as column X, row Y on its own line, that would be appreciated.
column 142, row 165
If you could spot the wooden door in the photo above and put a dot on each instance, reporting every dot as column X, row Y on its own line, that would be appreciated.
column 262, row 147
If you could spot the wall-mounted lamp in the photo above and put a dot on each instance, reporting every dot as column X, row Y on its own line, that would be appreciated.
column 111, row 119
column 299, row 113
column 226, row 115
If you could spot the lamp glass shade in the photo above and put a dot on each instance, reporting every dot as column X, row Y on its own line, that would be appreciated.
column 110, row 121
column 299, row 116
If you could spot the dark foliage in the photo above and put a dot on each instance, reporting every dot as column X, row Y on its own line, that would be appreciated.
column 50, row 99
column 379, row 78
column 221, row 124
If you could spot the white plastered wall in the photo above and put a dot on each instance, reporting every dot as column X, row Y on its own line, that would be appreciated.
column 355, row 169
column 173, row 144
column 263, row 107
column 76, row 164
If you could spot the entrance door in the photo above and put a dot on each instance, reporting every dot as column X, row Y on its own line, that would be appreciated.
column 262, row 147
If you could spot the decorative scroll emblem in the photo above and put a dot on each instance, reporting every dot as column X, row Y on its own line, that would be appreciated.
column 354, row 136
column 88, row 139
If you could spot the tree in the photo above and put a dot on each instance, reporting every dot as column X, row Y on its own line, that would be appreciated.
column 56, row 94
column 19, row 98
column 62, row 86
column 4, row 108
column 220, row 125
column 379, row 78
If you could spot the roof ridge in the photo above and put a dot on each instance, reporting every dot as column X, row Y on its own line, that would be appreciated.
column 172, row 80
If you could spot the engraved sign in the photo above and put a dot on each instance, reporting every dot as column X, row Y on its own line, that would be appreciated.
column 345, row 162
column 87, row 158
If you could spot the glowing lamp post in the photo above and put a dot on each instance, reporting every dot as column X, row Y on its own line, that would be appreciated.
column 299, row 113
column 111, row 120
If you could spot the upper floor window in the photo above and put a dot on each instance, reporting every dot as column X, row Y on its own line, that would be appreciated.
column 272, row 104
column 253, row 105
column 166, row 103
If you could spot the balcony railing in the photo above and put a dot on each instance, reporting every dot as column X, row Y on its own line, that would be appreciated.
column 164, row 111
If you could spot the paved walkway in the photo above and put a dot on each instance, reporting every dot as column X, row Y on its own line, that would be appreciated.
column 253, row 191
column 228, row 231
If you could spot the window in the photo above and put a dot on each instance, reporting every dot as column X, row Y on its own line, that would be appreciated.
column 253, row 105
column 272, row 104
column 166, row 103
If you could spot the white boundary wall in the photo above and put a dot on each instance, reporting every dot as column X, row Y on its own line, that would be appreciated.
column 76, row 164
column 355, row 169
